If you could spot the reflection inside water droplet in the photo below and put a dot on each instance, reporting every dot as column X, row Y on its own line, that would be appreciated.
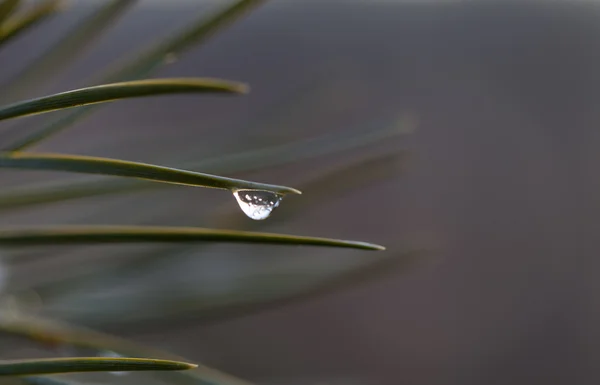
column 257, row 204
column 109, row 353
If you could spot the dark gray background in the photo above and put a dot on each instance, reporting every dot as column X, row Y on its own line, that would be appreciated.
column 503, row 181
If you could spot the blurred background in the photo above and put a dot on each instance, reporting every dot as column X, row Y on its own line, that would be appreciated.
column 496, row 182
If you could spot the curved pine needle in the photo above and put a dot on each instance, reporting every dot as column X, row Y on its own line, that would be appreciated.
column 200, row 31
column 51, row 332
column 60, row 55
column 116, row 91
column 145, row 63
column 87, row 364
column 73, row 235
column 7, row 7
column 114, row 167
column 247, row 161
column 18, row 24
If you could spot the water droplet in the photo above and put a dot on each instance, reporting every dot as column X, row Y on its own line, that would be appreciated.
column 109, row 353
column 257, row 204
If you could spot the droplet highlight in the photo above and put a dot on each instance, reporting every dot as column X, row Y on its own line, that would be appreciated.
column 257, row 204
column 109, row 353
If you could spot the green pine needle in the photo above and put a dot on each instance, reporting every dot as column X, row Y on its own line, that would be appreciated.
column 7, row 7
column 74, row 235
column 20, row 23
column 87, row 364
column 143, row 64
column 63, row 53
column 115, row 167
column 116, row 91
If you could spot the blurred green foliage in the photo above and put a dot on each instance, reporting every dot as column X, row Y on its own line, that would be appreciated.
column 19, row 318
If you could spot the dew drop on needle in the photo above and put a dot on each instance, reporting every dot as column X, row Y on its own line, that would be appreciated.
column 257, row 204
